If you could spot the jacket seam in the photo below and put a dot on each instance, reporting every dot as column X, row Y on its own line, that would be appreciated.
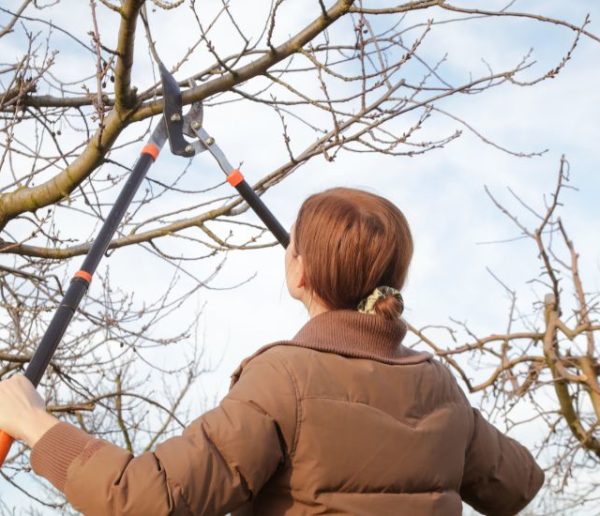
column 449, row 490
column 182, row 495
column 230, row 465
column 365, row 404
column 294, row 382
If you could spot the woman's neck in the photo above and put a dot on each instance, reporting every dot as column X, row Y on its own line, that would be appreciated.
column 315, row 306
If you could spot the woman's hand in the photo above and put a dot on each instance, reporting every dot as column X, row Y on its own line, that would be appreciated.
column 22, row 411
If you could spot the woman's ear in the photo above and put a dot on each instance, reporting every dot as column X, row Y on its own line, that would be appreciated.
column 301, row 283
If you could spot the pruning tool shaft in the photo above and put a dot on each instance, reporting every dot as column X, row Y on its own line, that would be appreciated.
column 172, row 127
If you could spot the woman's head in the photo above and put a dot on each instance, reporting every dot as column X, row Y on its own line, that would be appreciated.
column 345, row 243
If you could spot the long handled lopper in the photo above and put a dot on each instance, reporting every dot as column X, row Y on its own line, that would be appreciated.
column 172, row 127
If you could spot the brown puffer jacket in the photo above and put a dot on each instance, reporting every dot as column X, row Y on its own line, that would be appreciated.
column 340, row 420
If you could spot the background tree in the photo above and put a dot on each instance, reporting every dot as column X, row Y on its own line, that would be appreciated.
column 547, row 358
column 79, row 92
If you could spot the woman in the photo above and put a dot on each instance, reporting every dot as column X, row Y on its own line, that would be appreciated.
column 342, row 419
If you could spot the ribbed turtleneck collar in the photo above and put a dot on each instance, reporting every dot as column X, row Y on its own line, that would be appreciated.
column 351, row 334
column 357, row 335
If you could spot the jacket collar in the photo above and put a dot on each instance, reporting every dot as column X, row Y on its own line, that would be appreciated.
column 357, row 335
column 354, row 335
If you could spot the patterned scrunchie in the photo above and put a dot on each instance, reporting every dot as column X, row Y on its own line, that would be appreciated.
column 367, row 305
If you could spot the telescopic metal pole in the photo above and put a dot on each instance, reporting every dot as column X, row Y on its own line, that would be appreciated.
column 81, row 280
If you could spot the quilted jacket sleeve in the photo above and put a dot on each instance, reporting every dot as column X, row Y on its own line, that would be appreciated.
column 220, row 461
column 500, row 477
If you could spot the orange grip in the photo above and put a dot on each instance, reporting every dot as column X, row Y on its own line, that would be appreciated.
column 5, row 444
column 235, row 177
column 83, row 275
column 152, row 150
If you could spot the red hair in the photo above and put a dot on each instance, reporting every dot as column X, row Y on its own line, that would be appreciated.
column 353, row 241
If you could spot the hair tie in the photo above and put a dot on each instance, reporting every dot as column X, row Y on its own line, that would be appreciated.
column 367, row 305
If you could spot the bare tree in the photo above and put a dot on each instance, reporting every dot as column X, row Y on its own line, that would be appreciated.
column 351, row 78
column 547, row 357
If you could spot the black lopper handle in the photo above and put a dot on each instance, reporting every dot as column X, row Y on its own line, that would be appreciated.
column 81, row 280
column 236, row 179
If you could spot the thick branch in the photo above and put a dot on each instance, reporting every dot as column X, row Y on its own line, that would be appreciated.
column 61, row 185
column 561, row 383
column 124, row 95
column 332, row 139
column 257, row 67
